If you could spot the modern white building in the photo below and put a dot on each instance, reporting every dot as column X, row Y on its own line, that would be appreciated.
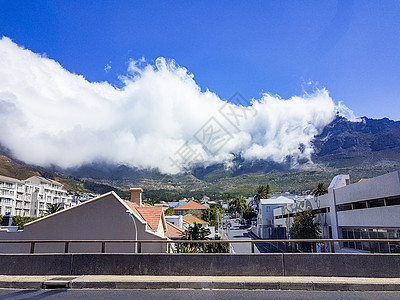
column 367, row 209
column 29, row 198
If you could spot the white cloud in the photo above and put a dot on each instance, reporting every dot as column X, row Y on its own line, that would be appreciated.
column 51, row 116
column 107, row 68
column 346, row 112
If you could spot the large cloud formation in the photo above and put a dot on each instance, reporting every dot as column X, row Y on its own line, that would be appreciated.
column 160, row 118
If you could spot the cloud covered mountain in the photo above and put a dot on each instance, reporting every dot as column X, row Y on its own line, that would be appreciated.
column 159, row 118
column 161, row 122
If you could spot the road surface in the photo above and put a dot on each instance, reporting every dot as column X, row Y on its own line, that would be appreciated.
column 239, row 232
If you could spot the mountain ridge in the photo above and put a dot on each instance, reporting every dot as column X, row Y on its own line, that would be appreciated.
column 364, row 148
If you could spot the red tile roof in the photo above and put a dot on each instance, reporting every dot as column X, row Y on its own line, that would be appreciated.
column 191, row 205
column 150, row 214
column 174, row 231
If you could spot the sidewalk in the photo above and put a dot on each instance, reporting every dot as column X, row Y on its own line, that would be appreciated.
column 201, row 282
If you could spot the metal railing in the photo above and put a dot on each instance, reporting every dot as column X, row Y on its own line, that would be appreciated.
column 291, row 242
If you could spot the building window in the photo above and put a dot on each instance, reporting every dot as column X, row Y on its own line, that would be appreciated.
column 372, row 233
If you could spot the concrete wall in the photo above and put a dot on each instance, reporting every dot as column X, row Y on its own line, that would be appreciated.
column 386, row 216
column 382, row 186
column 360, row 265
column 102, row 219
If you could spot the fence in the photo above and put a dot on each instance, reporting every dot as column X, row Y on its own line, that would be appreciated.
column 291, row 244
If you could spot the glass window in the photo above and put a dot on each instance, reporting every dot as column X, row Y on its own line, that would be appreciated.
column 395, row 201
column 345, row 236
column 360, row 205
column 357, row 235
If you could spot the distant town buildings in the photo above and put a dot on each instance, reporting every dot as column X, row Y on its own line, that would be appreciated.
column 29, row 198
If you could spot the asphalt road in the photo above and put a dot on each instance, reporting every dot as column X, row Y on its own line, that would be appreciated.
column 238, row 232
column 61, row 294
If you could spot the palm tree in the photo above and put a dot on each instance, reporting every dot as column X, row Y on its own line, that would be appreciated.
column 237, row 205
column 261, row 193
column 195, row 232
column 320, row 190
column 53, row 208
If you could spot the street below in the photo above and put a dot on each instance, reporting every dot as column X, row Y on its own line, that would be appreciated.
column 240, row 232
column 100, row 294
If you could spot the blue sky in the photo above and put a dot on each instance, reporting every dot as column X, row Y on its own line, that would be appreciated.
column 349, row 47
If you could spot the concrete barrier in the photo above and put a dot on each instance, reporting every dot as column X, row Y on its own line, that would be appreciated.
column 35, row 264
column 178, row 264
column 351, row 265
column 342, row 264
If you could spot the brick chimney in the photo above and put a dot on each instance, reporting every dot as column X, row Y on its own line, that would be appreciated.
column 136, row 195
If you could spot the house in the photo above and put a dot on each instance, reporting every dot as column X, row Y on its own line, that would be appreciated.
column 79, row 197
column 365, row 209
column 177, row 203
column 265, row 217
column 174, row 232
column 176, row 220
column 190, row 220
column 106, row 217
column 192, row 208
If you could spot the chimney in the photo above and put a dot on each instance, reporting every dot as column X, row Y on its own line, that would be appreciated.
column 136, row 195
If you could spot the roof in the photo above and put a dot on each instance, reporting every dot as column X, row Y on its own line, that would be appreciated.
column 47, row 180
column 174, row 231
column 191, row 205
column 150, row 214
column 189, row 219
column 279, row 200
column 147, row 215
column 9, row 179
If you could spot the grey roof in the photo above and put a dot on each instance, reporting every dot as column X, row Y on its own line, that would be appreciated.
column 9, row 179
column 278, row 200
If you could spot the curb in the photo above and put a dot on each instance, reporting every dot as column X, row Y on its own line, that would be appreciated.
column 220, row 283
column 237, row 286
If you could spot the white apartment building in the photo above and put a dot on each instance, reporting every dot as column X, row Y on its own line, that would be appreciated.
column 29, row 198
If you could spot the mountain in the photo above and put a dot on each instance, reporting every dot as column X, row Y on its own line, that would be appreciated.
column 367, row 143
column 362, row 148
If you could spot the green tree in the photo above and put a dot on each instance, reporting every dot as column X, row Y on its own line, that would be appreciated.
column 195, row 232
column 237, row 205
column 304, row 227
column 249, row 214
column 213, row 215
column 320, row 190
column 261, row 193
column 53, row 208
column 217, row 247
column 169, row 211
column 21, row 221
column 198, row 232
